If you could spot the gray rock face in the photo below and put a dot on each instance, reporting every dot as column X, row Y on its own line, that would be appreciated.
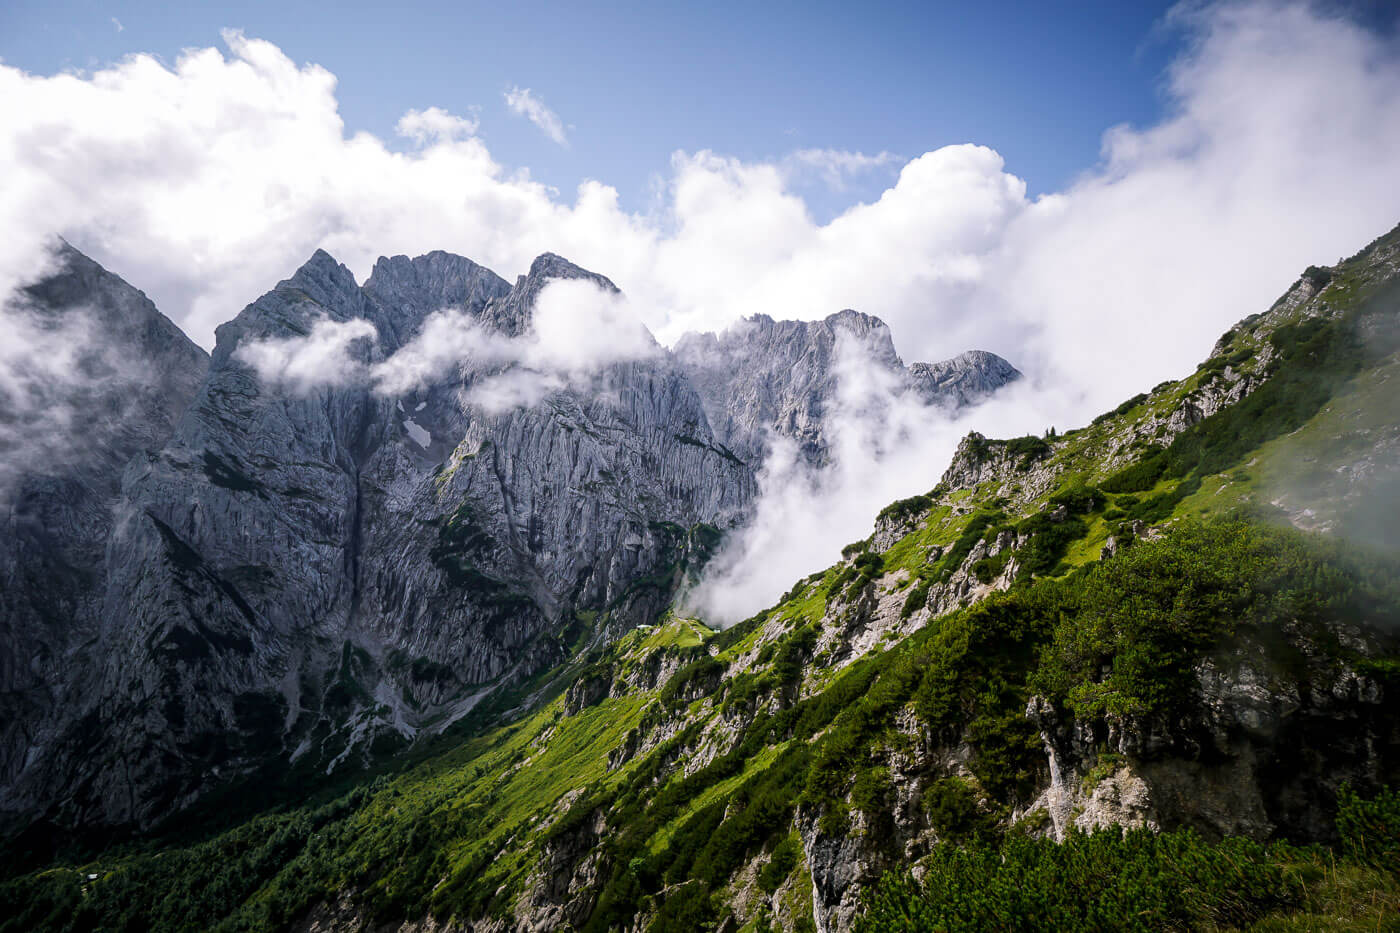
column 963, row 380
column 295, row 574
column 783, row 377
column 132, row 374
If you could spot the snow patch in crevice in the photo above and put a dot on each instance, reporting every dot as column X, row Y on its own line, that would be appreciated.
column 417, row 433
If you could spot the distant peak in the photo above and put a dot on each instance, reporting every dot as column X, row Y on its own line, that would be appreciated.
column 322, row 270
column 848, row 317
column 438, row 263
column 553, row 266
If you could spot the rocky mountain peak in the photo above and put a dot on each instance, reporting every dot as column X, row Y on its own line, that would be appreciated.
column 325, row 280
column 511, row 313
column 405, row 291
column 856, row 321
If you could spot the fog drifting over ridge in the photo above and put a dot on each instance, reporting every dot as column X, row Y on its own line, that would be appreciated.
column 577, row 329
column 206, row 181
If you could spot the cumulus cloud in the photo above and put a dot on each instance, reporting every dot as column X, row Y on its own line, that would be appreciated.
column 320, row 359
column 206, row 181
column 435, row 125
column 526, row 103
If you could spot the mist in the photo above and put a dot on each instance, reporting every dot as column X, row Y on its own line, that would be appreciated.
column 886, row 444
column 577, row 329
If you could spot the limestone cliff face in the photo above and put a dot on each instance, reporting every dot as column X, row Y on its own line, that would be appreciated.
column 294, row 573
column 963, row 380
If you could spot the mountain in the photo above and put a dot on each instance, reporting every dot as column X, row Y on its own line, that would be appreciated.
column 126, row 373
column 273, row 581
column 763, row 377
column 1173, row 621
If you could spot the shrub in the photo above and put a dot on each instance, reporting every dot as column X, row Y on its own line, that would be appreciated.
column 905, row 509
column 916, row 600
column 1136, row 881
column 951, row 806
column 1027, row 450
column 1370, row 829
column 780, row 864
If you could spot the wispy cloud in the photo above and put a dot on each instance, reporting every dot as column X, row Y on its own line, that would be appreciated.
column 835, row 166
column 118, row 23
column 323, row 358
column 523, row 101
column 436, row 125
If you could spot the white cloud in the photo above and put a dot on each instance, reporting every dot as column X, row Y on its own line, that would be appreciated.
column 65, row 393
column 303, row 364
column 834, row 166
column 448, row 341
column 578, row 329
column 886, row 444
column 579, row 326
column 118, row 23
column 523, row 101
column 435, row 125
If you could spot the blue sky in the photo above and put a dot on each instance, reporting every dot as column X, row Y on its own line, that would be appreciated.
column 1039, row 82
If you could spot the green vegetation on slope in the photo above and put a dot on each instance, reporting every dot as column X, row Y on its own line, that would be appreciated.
column 1145, row 881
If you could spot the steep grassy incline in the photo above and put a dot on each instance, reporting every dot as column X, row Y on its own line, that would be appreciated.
column 1111, row 627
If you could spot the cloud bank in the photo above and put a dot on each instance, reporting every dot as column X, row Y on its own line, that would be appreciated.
column 205, row 181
